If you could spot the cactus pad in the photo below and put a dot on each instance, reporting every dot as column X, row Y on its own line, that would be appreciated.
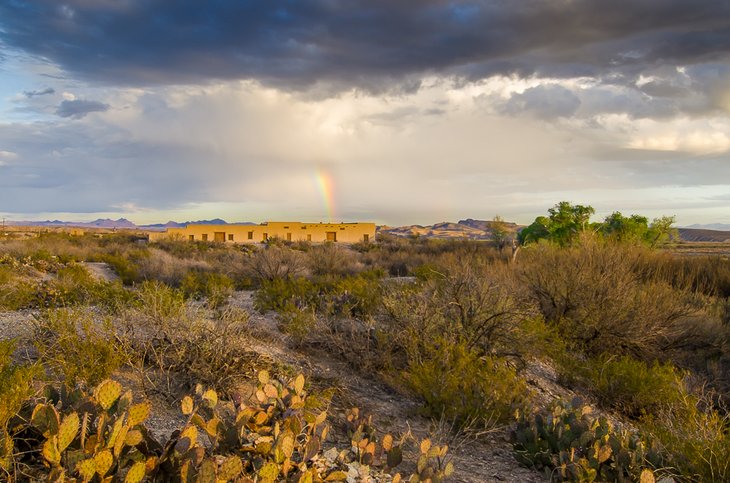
column 136, row 473
column 210, row 397
column 107, row 393
column 134, row 437
column 86, row 469
column 45, row 418
column 138, row 414
column 103, row 462
column 264, row 377
column 67, row 431
column 50, row 451
column 269, row 472
column 230, row 469
column 206, row 472
column 186, row 405
column 298, row 384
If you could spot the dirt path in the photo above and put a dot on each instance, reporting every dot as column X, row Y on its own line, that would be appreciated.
column 101, row 271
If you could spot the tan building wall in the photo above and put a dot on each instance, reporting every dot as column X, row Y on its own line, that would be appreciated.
column 289, row 231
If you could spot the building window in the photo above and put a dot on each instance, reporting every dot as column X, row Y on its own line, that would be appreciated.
column 309, row 237
column 286, row 227
column 366, row 238
column 250, row 235
column 288, row 237
column 205, row 237
column 230, row 237
column 304, row 228
column 191, row 237
column 342, row 228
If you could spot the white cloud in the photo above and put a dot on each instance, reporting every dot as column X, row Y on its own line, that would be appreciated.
column 6, row 156
column 443, row 152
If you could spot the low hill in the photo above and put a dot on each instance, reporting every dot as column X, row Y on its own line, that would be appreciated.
column 700, row 235
column 469, row 229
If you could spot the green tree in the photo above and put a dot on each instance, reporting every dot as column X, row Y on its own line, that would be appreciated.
column 621, row 228
column 538, row 230
column 563, row 225
column 660, row 231
column 500, row 233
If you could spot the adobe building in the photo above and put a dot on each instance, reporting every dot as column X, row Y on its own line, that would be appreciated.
column 284, row 230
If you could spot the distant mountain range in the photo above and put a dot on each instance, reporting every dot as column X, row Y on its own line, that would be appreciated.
column 121, row 223
column 711, row 226
column 700, row 235
column 470, row 229
column 482, row 230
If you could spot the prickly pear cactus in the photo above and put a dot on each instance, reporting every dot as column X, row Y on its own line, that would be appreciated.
column 97, row 436
column 569, row 443
column 279, row 437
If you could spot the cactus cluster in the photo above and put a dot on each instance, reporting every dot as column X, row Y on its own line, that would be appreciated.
column 277, row 436
column 570, row 444
column 95, row 436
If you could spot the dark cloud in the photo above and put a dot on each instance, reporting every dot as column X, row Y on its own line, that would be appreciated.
column 78, row 108
column 44, row 92
column 546, row 102
column 364, row 43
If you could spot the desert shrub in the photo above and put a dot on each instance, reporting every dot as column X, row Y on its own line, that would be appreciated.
column 16, row 385
column 6, row 274
column 175, row 353
column 458, row 383
column 123, row 266
column 280, row 294
column 297, row 323
column 592, row 294
column 355, row 296
column 74, row 345
column 73, row 285
column 469, row 299
column 160, row 265
column 111, row 297
column 161, row 302
column 695, row 438
column 634, row 387
column 215, row 287
column 569, row 443
column 707, row 274
column 181, row 248
column 331, row 260
column 18, row 293
column 275, row 262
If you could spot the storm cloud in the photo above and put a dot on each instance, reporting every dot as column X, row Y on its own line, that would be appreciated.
column 78, row 108
column 362, row 43
column 44, row 92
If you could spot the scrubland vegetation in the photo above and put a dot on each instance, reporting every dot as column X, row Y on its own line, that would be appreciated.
column 641, row 334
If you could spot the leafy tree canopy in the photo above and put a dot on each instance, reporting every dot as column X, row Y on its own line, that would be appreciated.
column 566, row 221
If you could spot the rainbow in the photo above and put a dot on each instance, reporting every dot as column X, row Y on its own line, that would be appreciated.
column 326, row 189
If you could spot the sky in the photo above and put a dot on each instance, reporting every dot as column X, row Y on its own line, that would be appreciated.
column 393, row 111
